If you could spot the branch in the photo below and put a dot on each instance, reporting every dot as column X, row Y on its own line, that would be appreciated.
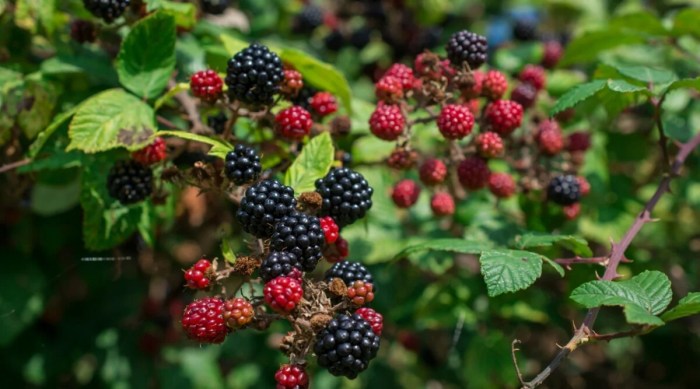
column 567, row 262
column 583, row 333
column 14, row 165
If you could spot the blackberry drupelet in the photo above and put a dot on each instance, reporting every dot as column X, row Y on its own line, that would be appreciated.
column 107, row 10
column 466, row 46
column 302, row 236
column 346, row 345
column 278, row 263
column 564, row 190
column 254, row 74
column 214, row 7
column 349, row 272
column 310, row 17
column 346, row 195
column 129, row 182
column 242, row 165
column 263, row 205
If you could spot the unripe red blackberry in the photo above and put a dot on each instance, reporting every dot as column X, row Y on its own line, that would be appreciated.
column 199, row 275
column 330, row 229
column 107, row 10
column 387, row 122
column 584, row 185
column 473, row 173
column 254, row 75
column 533, row 75
column 293, row 123
column 151, row 154
column 404, row 74
column 238, row 312
column 207, row 85
column 292, row 83
column 402, row 159
column 494, row 85
column 388, row 89
column 572, row 211
column 291, row 377
column 405, row 193
column 433, row 171
column 442, row 204
column 524, row 94
column 465, row 46
column 336, row 252
column 578, row 141
column 360, row 293
column 455, row 121
column 552, row 53
column 83, row 31
column 283, row 294
column 502, row 185
column 374, row 318
column 489, row 144
column 203, row 320
column 550, row 138
column 504, row 116
column 324, row 104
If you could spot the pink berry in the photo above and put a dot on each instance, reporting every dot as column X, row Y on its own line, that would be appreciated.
column 405, row 193
column 442, row 204
column 455, row 121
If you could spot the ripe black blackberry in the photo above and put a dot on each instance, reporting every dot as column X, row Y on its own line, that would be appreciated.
column 349, row 272
column 217, row 122
column 107, row 10
column 214, row 7
column 466, row 46
column 525, row 30
column 242, row 165
column 346, row 345
column 129, row 181
column 346, row 195
column 300, row 235
column 360, row 37
column 263, row 205
column 334, row 41
column 310, row 17
column 303, row 97
column 278, row 263
column 254, row 74
column 564, row 190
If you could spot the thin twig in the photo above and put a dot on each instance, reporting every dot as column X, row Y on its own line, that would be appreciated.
column 583, row 333
column 513, row 350
column 190, row 106
column 663, row 140
column 14, row 165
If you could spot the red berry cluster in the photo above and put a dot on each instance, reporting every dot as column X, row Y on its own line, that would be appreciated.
column 207, row 85
column 151, row 154
column 199, row 275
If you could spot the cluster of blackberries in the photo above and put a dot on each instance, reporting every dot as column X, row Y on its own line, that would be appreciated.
column 242, row 165
column 107, row 10
column 130, row 182
column 214, row 7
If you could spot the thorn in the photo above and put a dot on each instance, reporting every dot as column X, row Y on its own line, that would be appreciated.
column 558, row 345
column 573, row 326
column 597, row 276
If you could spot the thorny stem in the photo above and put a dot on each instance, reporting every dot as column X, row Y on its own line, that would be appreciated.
column 567, row 262
column 583, row 334
column 663, row 140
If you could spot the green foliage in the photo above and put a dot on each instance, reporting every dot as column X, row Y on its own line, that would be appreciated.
column 509, row 270
column 575, row 244
column 314, row 161
column 219, row 148
column 687, row 306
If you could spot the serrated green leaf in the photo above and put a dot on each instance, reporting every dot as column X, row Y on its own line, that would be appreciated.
column 576, row 244
column 109, row 120
column 43, row 136
column 446, row 244
column 686, row 22
column 320, row 75
column 147, row 56
column 507, row 271
column 577, row 95
column 557, row 267
column 586, row 47
column 314, row 162
column 686, row 83
column 687, row 306
column 641, row 22
column 646, row 74
column 623, row 86
column 649, row 291
column 185, row 14
column 219, row 148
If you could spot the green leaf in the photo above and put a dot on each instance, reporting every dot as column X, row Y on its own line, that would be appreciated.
column 641, row 22
column 227, row 252
column 577, row 95
column 576, row 244
column 586, row 47
column 623, row 86
column 686, row 83
column 446, row 244
column 314, row 161
column 43, row 136
column 111, row 119
column 34, row 118
column 509, row 270
column 185, row 14
column 320, row 74
column 687, row 306
column 232, row 44
column 48, row 200
column 646, row 74
column 147, row 55
column 642, row 296
column 686, row 22
column 220, row 147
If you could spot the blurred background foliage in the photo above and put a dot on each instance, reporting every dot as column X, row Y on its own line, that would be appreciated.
column 68, row 321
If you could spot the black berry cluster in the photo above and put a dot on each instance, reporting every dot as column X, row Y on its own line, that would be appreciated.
column 564, row 190
column 303, row 97
column 349, row 272
column 525, row 30
column 346, row 195
column 263, row 205
column 346, row 345
column 214, row 7
column 466, row 46
column 254, row 75
column 107, row 10
column 242, row 165
column 278, row 263
column 217, row 122
column 129, row 182
column 310, row 17
column 300, row 235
